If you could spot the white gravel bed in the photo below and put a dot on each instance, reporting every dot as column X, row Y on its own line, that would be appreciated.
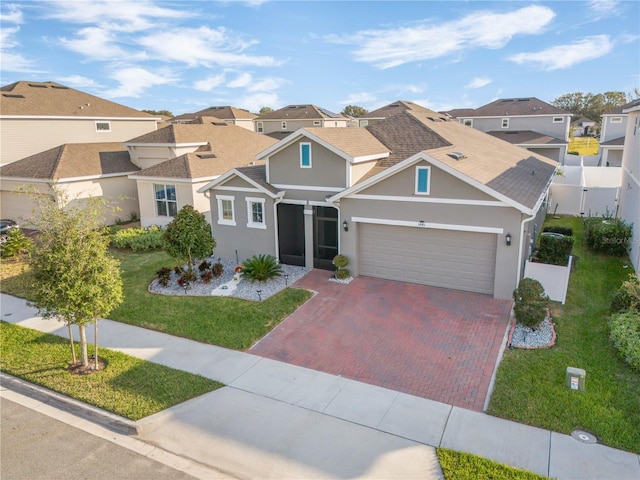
column 226, row 286
column 542, row 337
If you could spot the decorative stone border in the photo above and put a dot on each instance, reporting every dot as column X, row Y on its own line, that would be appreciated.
column 533, row 347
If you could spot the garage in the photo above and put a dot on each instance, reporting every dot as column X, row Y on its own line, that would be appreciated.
column 442, row 258
column 16, row 206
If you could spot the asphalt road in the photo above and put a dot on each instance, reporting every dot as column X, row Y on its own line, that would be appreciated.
column 34, row 446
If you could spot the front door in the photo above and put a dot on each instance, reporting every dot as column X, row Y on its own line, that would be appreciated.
column 325, row 237
column 291, row 234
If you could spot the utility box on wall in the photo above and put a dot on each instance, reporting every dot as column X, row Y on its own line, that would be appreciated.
column 575, row 378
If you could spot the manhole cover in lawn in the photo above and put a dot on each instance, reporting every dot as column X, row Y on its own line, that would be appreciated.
column 583, row 437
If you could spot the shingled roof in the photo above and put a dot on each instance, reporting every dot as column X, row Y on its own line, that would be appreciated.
column 302, row 112
column 355, row 142
column 526, row 137
column 619, row 110
column 394, row 108
column 222, row 112
column 516, row 107
column 226, row 147
column 72, row 160
column 54, row 99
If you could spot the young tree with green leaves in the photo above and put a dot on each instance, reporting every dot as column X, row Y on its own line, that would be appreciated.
column 354, row 111
column 73, row 276
column 188, row 236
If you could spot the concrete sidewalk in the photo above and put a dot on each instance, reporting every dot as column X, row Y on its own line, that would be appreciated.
column 275, row 420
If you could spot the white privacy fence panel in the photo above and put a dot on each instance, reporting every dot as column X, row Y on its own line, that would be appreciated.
column 600, row 201
column 585, row 191
column 554, row 278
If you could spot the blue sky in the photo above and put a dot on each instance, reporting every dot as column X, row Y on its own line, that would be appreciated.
column 184, row 56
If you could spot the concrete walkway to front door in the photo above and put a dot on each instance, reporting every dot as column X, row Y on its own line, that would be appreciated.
column 430, row 342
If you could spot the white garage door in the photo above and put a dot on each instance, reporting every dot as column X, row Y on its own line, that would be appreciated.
column 16, row 206
column 441, row 258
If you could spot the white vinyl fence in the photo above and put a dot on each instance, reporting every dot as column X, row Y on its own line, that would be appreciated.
column 554, row 278
column 584, row 190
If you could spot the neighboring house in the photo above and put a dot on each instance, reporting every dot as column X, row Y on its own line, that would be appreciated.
column 526, row 122
column 231, row 115
column 612, row 133
column 413, row 198
column 282, row 122
column 583, row 127
column 79, row 170
column 390, row 110
column 36, row 116
column 177, row 160
column 630, row 185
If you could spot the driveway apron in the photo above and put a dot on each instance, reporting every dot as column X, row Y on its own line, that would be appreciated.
column 430, row 342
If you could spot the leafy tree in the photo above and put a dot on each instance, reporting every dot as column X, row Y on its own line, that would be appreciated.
column 530, row 303
column 164, row 113
column 354, row 111
column 590, row 105
column 188, row 236
column 74, row 278
column 265, row 110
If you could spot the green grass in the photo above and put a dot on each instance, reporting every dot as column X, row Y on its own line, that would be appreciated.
column 466, row 466
column 583, row 145
column 224, row 321
column 128, row 386
column 530, row 383
column 13, row 276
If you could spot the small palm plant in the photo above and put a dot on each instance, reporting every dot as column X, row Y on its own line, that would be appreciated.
column 261, row 268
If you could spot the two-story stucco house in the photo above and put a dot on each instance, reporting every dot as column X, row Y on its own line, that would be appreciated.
column 231, row 115
column 37, row 116
column 282, row 122
column 630, row 184
column 612, row 135
column 413, row 198
column 175, row 161
column 527, row 122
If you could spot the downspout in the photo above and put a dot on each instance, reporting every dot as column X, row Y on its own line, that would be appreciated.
column 278, row 199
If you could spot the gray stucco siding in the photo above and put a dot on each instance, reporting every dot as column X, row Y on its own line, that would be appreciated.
column 457, row 217
column 554, row 153
column 442, row 185
column 327, row 169
column 540, row 124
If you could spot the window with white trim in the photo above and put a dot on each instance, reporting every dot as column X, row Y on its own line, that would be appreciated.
column 505, row 123
column 255, row 213
column 284, row 125
column 468, row 122
column 305, row 155
column 166, row 200
column 558, row 119
column 616, row 119
column 103, row 126
column 259, row 127
column 363, row 123
column 423, row 180
column 226, row 210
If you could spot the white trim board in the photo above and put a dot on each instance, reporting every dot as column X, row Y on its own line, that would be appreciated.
column 448, row 201
column 435, row 226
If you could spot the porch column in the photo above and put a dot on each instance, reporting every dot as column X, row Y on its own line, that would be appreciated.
column 308, row 236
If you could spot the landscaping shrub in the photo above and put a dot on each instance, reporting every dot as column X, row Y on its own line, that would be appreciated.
column 217, row 269
column 628, row 296
column 341, row 262
column 138, row 239
column 261, row 268
column 15, row 243
column 607, row 235
column 558, row 229
column 188, row 276
column 204, row 266
column 164, row 275
column 625, row 335
column 531, row 303
column 555, row 248
column 206, row 276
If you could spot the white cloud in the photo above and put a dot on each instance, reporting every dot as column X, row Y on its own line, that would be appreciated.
column 603, row 8
column 117, row 15
column 255, row 102
column 13, row 61
column 203, row 46
column 95, row 43
column 209, row 83
column 241, row 80
column 78, row 81
column 387, row 48
column 134, row 81
column 362, row 98
column 565, row 56
column 266, row 84
column 478, row 82
column 11, row 14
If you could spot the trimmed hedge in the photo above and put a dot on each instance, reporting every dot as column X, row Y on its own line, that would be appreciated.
column 555, row 249
column 138, row 239
column 558, row 229
column 628, row 296
column 607, row 235
column 530, row 303
column 625, row 335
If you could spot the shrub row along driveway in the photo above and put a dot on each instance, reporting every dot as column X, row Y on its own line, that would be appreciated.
column 425, row 341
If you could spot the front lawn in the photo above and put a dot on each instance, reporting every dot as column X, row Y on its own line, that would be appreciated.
column 128, row 386
column 224, row 321
column 530, row 386
column 583, row 145
column 466, row 466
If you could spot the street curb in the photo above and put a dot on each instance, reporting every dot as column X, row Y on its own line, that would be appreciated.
column 93, row 414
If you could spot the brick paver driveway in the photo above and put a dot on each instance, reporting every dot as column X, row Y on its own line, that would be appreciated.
column 431, row 342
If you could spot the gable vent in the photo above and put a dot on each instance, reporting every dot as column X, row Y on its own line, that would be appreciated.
column 457, row 155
